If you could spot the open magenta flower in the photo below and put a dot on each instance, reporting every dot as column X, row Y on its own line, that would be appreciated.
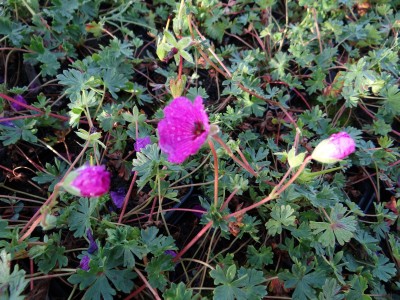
column 88, row 181
column 184, row 129
column 337, row 147
column 142, row 143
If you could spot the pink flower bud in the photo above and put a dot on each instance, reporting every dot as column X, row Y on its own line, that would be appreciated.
column 88, row 181
column 337, row 147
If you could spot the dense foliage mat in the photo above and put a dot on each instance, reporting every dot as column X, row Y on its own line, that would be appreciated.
column 199, row 149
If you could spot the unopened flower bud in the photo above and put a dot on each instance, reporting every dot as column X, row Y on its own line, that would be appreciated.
column 337, row 147
column 88, row 181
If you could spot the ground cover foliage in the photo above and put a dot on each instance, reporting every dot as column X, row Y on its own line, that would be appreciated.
column 277, row 77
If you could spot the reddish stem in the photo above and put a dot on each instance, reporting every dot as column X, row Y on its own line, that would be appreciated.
column 273, row 194
column 136, row 292
column 30, row 107
column 32, row 270
column 180, row 67
column 127, row 196
column 193, row 241
column 229, row 151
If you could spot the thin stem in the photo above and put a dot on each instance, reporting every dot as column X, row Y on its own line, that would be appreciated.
column 180, row 67
column 230, row 153
column 36, row 218
column 127, row 196
column 193, row 241
column 211, row 144
column 152, row 290
column 229, row 198
column 274, row 193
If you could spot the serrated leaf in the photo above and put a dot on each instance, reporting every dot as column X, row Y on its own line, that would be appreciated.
column 79, row 219
column 281, row 215
column 383, row 270
column 261, row 257
column 303, row 281
column 11, row 285
column 178, row 292
column 340, row 229
column 246, row 284
column 156, row 270
column 331, row 290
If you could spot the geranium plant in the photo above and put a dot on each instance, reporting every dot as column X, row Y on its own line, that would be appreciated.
column 199, row 150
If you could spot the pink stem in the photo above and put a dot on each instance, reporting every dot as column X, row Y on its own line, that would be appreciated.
column 127, row 196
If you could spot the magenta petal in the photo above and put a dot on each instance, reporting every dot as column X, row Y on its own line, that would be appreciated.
column 184, row 129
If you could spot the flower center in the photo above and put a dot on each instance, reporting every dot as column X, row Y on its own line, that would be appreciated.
column 198, row 129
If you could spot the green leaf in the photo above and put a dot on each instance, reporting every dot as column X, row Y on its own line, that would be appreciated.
column 76, row 82
column 53, row 174
column 157, row 245
column 303, row 281
column 295, row 160
column 178, row 292
column 259, row 258
column 110, row 115
column 15, row 31
column 281, row 215
column 156, row 270
column 98, row 279
column 125, row 243
column 392, row 101
column 114, row 82
column 245, row 284
column 146, row 164
column 11, row 285
column 79, row 218
column 5, row 233
column 383, row 270
column 358, row 285
column 49, row 60
column 341, row 228
column 330, row 290
column 50, row 254
column 23, row 129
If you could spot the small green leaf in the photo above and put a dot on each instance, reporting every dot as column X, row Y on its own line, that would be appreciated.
column 261, row 257
column 178, row 292
column 341, row 228
column 295, row 160
column 281, row 215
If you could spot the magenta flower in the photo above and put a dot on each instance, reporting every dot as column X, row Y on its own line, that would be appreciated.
column 88, row 181
column 184, row 129
column 142, row 143
column 84, row 264
column 337, row 147
column 16, row 106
